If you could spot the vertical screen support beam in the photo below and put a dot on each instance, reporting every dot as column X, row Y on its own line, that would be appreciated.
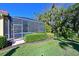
column 8, row 29
column 13, row 31
column 28, row 26
column 22, row 29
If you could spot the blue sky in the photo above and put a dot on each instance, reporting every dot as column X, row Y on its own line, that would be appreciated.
column 29, row 10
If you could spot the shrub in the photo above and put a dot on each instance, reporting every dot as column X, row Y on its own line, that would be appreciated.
column 50, row 35
column 48, row 28
column 2, row 41
column 35, row 37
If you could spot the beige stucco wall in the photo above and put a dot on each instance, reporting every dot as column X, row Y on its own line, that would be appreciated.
column 1, row 27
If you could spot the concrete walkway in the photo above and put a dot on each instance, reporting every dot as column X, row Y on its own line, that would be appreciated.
column 17, row 41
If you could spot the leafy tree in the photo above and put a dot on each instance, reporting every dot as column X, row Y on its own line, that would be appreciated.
column 64, row 22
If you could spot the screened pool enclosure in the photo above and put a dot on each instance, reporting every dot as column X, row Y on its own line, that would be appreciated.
column 19, row 26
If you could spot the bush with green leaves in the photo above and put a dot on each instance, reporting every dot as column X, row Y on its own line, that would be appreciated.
column 48, row 28
column 50, row 35
column 35, row 37
column 62, row 22
column 3, row 42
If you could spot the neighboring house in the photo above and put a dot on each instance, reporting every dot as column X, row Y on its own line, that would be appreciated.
column 16, row 27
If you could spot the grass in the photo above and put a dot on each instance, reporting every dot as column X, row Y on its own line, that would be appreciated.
column 42, row 48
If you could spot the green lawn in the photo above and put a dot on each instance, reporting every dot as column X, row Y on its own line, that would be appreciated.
column 42, row 48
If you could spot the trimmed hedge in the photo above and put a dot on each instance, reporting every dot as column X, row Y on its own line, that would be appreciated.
column 3, row 42
column 35, row 37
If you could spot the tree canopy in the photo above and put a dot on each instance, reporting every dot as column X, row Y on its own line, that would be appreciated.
column 63, row 22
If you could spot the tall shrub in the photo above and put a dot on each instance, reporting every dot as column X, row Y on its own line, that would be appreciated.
column 3, row 41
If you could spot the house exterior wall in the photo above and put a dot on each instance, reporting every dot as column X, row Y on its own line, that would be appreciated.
column 3, row 23
column 1, row 27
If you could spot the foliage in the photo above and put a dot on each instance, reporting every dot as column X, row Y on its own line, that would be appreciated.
column 50, row 35
column 52, row 19
column 2, row 41
column 48, row 28
column 71, row 22
column 64, row 22
column 73, row 15
column 35, row 37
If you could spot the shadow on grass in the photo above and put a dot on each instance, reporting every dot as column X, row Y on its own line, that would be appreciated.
column 11, row 51
column 74, row 44
column 63, row 45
